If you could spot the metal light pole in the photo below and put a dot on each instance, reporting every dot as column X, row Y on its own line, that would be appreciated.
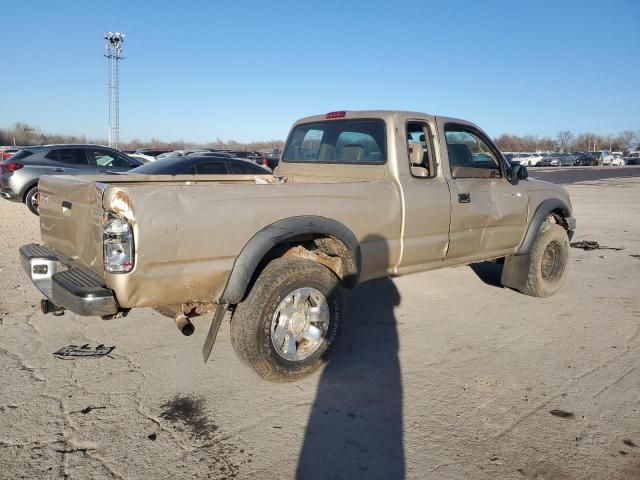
column 114, row 41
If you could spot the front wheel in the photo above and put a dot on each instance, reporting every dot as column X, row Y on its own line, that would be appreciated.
column 288, row 323
column 548, row 261
column 31, row 199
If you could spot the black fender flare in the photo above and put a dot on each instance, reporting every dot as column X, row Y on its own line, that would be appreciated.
column 545, row 208
column 276, row 233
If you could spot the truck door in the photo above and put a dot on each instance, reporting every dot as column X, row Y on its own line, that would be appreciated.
column 425, row 196
column 488, row 212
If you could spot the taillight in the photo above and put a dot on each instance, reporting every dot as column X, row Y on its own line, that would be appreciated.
column 339, row 114
column 12, row 167
column 263, row 162
column 117, row 241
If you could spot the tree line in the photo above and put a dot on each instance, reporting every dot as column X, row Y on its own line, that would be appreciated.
column 22, row 134
column 566, row 141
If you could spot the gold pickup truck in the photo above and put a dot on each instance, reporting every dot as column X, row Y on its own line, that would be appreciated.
column 357, row 195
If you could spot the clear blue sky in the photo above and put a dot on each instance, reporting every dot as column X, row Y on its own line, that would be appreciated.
column 246, row 70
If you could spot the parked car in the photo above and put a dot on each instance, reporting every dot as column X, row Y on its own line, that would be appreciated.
column 617, row 160
column 19, row 174
column 557, row 160
column 7, row 152
column 530, row 159
column 210, row 164
column 347, row 205
column 152, row 152
column 183, row 152
column 586, row 159
column 602, row 156
column 632, row 158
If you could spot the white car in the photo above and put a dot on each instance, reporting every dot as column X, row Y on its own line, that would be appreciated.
column 143, row 158
column 617, row 160
column 605, row 157
column 529, row 159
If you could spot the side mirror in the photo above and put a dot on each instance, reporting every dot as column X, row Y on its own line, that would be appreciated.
column 519, row 172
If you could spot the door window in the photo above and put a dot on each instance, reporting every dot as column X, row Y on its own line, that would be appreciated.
column 104, row 158
column 469, row 155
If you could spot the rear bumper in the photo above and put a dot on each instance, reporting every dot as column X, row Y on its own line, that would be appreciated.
column 8, row 194
column 67, row 284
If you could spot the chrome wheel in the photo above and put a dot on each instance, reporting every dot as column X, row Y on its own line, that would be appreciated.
column 299, row 324
column 35, row 201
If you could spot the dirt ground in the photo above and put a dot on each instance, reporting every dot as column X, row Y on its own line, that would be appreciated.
column 438, row 375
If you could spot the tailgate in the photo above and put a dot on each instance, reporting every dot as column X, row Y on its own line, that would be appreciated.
column 70, row 218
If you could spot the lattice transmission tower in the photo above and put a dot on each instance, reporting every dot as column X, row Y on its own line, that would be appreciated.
column 114, row 41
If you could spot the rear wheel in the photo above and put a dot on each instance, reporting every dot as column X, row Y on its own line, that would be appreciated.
column 31, row 199
column 548, row 261
column 288, row 323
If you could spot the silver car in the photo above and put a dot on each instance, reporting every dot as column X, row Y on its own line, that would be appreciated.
column 20, row 173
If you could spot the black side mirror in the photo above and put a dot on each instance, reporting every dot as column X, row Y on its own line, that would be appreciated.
column 519, row 172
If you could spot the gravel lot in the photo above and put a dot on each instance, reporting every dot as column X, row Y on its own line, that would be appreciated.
column 438, row 375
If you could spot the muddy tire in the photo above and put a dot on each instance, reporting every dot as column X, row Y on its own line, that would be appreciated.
column 31, row 200
column 287, row 325
column 548, row 261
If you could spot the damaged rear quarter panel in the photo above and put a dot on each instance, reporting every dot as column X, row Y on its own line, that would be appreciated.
column 187, row 236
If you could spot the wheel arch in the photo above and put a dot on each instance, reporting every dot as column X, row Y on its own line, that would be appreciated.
column 561, row 212
column 318, row 238
column 28, row 186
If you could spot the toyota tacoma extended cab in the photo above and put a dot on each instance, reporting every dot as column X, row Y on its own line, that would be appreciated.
column 357, row 195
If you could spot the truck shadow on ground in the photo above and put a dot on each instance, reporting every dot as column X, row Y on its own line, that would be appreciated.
column 489, row 272
column 355, row 426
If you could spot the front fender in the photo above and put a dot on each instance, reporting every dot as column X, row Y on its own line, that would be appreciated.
column 545, row 208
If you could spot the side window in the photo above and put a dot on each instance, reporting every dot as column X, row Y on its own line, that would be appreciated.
column 72, row 156
column 245, row 169
column 52, row 155
column 102, row 158
column 469, row 155
column 420, row 150
column 189, row 171
column 212, row 168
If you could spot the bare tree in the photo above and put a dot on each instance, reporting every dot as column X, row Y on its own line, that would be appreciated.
column 627, row 137
column 564, row 137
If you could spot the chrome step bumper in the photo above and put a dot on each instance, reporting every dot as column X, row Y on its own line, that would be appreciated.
column 67, row 284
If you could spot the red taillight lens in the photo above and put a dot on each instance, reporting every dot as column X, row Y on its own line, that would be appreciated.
column 12, row 167
column 339, row 114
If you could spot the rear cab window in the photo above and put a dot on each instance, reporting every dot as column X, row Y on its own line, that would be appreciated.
column 357, row 141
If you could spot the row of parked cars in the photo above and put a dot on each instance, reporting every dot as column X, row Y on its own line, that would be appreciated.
column 566, row 159
column 21, row 170
column 148, row 155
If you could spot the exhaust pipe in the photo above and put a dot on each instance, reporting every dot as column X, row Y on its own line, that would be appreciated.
column 184, row 325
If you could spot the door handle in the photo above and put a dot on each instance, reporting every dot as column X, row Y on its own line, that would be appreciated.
column 464, row 197
column 58, row 169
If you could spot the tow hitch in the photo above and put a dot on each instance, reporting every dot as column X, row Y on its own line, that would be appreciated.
column 47, row 306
